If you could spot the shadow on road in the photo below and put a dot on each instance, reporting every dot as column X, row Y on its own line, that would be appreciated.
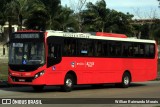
column 29, row 89
column 137, row 85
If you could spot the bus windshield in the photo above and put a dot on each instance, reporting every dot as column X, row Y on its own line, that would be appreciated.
column 26, row 53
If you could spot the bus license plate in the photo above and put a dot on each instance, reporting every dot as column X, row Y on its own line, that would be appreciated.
column 21, row 80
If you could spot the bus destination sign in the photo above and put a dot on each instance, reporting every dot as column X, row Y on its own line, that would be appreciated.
column 26, row 36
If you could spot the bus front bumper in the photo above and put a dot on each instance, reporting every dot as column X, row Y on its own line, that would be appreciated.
column 26, row 80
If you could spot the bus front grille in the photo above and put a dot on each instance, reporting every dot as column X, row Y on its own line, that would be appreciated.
column 22, row 79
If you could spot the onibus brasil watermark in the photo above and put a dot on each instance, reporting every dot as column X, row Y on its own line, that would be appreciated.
column 21, row 101
column 79, row 100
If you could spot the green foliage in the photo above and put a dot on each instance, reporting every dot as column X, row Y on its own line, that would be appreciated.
column 37, row 20
column 99, row 18
column 51, row 7
column 65, row 18
column 3, row 70
column 49, row 14
column 18, row 10
column 94, row 16
column 3, row 7
column 145, row 31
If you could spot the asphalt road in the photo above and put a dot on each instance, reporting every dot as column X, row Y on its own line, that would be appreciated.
column 149, row 89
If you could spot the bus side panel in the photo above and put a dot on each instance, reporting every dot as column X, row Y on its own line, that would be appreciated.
column 143, row 69
column 54, row 76
column 88, row 70
column 101, row 70
column 138, row 69
column 151, row 66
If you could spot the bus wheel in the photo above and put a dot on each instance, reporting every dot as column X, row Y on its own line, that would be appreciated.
column 126, row 79
column 68, row 83
column 38, row 88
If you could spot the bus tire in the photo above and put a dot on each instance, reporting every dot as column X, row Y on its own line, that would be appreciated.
column 68, row 83
column 126, row 80
column 38, row 88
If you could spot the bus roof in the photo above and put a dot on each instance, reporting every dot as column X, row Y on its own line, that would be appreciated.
column 111, row 35
column 90, row 36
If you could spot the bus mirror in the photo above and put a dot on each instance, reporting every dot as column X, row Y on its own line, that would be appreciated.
column 3, row 51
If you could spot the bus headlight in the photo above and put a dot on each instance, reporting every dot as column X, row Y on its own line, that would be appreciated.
column 39, row 74
column 36, row 76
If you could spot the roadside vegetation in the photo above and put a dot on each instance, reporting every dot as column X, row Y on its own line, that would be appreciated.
column 3, row 71
column 82, row 16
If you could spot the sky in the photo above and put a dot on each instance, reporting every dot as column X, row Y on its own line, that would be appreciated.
column 141, row 9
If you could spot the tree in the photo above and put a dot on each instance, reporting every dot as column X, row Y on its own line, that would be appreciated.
column 77, row 6
column 66, row 18
column 51, row 7
column 3, row 16
column 119, row 22
column 97, row 17
column 156, row 34
column 3, row 19
column 155, row 30
column 21, row 9
column 96, row 14
column 37, row 21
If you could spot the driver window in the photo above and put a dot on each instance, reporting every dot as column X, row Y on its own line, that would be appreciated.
column 54, row 54
column 54, row 51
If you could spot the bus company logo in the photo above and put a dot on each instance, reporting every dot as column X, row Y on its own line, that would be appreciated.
column 72, row 64
column 81, row 63
column 6, row 101
column 53, row 68
column 89, row 64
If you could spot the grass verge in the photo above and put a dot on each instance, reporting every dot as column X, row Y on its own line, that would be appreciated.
column 3, row 71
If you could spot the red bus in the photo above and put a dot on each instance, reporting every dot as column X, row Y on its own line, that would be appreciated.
column 64, row 59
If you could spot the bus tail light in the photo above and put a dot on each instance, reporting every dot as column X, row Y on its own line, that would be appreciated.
column 39, row 74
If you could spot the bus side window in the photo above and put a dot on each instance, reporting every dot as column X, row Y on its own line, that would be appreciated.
column 54, row 54
column 138, row 50
column 86, row 47
column 127, row 49
column 69, row 47
column 115, row 49
column 50, row 50
column 131, row 51
column 152, row 51
column 142, row 50
column 54, row 51
column 101, row 49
